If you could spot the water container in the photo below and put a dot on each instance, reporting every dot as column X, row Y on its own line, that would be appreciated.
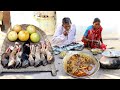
column 46, row 20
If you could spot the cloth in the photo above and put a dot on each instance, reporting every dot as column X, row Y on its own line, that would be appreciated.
column 70, row 47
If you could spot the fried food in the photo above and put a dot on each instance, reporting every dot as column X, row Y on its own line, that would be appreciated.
column 62, row 54
column 96, row 51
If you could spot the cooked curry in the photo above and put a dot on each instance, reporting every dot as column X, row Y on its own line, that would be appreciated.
column 80, row 65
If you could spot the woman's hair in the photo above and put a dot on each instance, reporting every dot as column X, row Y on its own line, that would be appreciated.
column 66, row 20
column 96, row 20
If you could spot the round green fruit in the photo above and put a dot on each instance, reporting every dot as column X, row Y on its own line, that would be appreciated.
column 12, row 36
column 31, row 29
column 35, row 37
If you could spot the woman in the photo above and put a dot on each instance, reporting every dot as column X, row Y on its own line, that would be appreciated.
column 92, row 37
column 65, row 34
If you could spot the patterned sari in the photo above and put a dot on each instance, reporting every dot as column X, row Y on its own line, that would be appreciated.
column 92, row 34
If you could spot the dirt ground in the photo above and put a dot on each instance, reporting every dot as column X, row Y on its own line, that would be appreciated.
column 101, row 74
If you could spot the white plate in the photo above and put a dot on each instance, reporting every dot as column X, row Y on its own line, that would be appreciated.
column 111, row 53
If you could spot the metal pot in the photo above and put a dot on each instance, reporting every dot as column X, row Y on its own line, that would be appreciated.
column 111, row 53
column 67, row 57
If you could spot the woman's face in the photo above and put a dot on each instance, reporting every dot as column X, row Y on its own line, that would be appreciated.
column 96, row 25
column 67, row 26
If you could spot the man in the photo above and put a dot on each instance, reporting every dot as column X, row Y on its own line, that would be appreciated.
column 65, row 34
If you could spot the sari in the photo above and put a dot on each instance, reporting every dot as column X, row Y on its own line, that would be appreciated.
column 92, row 35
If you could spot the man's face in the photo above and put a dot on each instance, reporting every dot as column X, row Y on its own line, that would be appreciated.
column 67, row 26
column 96, row 25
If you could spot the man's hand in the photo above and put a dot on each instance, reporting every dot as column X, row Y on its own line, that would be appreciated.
column 65, row 33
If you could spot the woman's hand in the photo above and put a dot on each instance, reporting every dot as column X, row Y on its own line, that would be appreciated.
column 96, row 41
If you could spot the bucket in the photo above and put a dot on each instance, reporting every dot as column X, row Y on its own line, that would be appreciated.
column 46, row 20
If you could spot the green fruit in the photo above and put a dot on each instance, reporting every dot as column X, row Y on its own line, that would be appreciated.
column 12, row 36
column 17, row 28
column 31, row 29
column 35, row 37
column 23, row 35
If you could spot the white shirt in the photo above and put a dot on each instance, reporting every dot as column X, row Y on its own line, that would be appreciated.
column 59, row 39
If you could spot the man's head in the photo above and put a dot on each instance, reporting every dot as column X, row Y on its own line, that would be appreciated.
column 96, row 23
column 66, row 23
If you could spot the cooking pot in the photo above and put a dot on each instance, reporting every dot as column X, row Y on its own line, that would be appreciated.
column 71, row 53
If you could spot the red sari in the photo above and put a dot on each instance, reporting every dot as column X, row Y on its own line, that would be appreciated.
column 93, row 35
